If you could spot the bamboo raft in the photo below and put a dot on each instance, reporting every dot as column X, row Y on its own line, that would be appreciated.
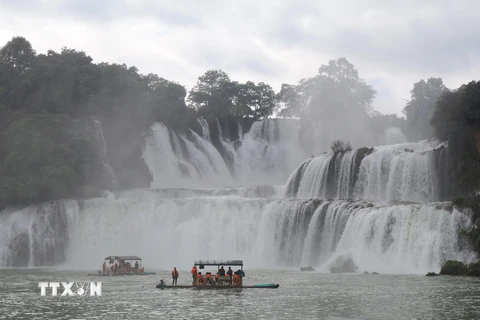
column 118, row 275
column 225, row 282
column 255, row 286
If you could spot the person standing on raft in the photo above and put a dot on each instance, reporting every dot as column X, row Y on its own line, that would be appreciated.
column 194, row 274
column 174, row 276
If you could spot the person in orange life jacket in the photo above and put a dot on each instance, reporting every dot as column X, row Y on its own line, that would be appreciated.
column 235, row 276
column 174, row 276
column 104, row 267
column 194, row 273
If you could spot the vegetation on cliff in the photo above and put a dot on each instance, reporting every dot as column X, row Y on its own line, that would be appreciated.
column 67, row 123
column 457, row 120
column 51, row 106
column 457, row 268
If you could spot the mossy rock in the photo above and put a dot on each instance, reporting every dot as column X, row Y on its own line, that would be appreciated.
column 454, row 268
column 431, row 274
column 474, row 269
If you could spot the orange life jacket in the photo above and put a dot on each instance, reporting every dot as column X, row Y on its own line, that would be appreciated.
column 194, row 270
column 208, row 275
column 175, row 273
column 199, row 276
column 216, row 276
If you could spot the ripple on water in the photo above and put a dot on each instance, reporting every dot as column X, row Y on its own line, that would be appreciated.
column 300, row 296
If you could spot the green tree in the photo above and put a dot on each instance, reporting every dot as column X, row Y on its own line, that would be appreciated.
column 457, row 119
column 218, row 96
column 419, row 109
column 337, row 90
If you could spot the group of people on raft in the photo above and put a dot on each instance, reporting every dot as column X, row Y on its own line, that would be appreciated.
column 221, row 278
column 119, row 267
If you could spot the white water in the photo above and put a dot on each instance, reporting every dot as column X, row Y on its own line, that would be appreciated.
column 403, row 172
column 173, row 223
column 104, row 153
column 202, row 164
column 264, row 233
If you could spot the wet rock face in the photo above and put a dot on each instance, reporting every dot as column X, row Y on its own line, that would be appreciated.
column 20, row 245
column 309, row 268
column 343, row 265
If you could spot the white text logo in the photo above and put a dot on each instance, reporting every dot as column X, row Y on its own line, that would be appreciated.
column 71, row 288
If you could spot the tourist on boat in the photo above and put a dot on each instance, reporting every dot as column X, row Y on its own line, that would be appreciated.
column 216, row 278
column 105, row 267
column 222, row 272
column 230, row 274
column 174, row 276
column 209, row 277
column 240, row 273
column 236, row 279
column 136, row 266
column 194, row 274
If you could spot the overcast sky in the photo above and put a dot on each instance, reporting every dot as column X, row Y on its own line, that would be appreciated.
column 392, row 43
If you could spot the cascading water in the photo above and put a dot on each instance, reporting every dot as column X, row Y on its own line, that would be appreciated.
column 37, row 235
column 404, row 172
column 200, row 165
column 173, row 224
column 265, row 233
column 105, row 162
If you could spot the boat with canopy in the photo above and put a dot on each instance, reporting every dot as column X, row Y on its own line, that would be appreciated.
column 220, row 280
column 122, row 266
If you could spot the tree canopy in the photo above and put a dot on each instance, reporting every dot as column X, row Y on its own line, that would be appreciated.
column 218, row 96
column 337, row 89
column 419, row 109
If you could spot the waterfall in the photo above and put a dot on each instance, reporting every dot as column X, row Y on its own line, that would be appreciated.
column 205, row 129
column 202, row 165
column 380, row 206
column 37, row 235
column 266, row 154
column 108, row 169
column 404, row 172
column 265, row 233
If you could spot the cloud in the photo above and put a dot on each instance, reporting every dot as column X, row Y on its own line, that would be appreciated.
column 392, row 44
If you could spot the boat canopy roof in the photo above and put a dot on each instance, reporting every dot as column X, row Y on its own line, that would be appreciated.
column 123, row 258
column 218, row 263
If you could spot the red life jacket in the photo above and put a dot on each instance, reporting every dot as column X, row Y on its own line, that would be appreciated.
column 175, row 273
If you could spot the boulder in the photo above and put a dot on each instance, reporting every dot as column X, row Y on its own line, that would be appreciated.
column 343, row 265
column 454, row 268
column 309, row 268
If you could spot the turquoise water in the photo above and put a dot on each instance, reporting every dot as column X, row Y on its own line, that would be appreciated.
column 301, row 295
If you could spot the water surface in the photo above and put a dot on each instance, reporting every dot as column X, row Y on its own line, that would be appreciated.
column 300, row 296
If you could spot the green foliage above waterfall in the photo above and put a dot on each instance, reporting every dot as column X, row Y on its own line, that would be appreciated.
column 51, row 145
column 457, row 119
column 336, row 91
column 215, row 95
column 420, row 108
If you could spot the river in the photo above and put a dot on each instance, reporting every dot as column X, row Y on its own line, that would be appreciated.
column 301, row 295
